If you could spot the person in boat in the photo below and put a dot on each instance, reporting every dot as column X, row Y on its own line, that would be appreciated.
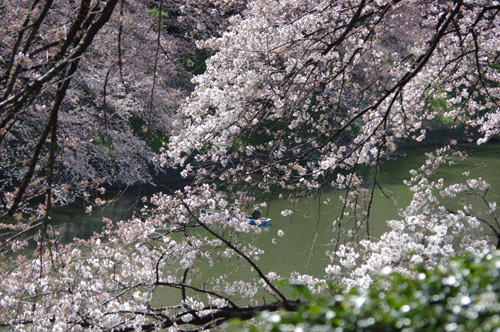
column 256, row 214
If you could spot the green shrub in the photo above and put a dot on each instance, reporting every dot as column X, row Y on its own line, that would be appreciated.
column 461, row 296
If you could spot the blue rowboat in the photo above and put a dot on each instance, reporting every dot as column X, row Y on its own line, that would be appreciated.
column 259, row 222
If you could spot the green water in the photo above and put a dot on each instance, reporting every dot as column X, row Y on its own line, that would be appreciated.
column 309, row 230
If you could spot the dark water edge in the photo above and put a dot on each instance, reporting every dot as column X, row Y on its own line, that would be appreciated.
column 439, row 134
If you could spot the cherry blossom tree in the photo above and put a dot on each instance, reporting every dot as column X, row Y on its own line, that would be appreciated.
column 116, row 107
column 295, row 103
column 299, row 96
column 41, row 52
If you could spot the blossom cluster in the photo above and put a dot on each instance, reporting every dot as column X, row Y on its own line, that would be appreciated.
column 429, row 232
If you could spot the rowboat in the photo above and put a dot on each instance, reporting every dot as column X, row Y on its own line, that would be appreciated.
column 259, row 222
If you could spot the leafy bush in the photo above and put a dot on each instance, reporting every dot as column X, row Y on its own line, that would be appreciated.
column 461, row 296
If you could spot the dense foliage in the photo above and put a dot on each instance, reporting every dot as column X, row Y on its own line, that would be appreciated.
column 460, row 295
column 125, row 71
